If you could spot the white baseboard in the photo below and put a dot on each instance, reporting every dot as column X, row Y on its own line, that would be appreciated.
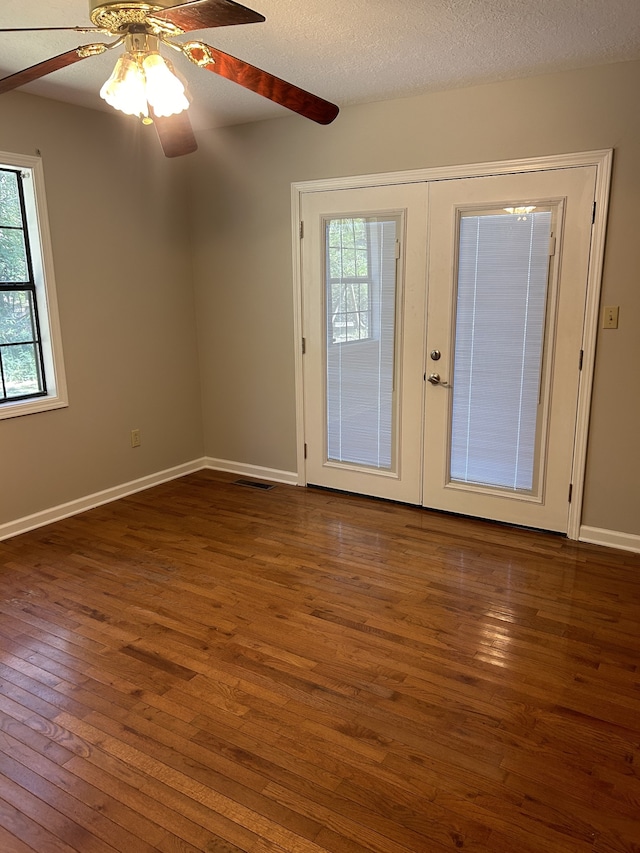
column 593, row 535
column 610, row 538
column 271, row 474
column 57, row 513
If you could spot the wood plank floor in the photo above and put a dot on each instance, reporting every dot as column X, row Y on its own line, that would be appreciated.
column 207, row 667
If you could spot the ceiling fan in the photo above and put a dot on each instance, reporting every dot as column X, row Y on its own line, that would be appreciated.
column 143, row 83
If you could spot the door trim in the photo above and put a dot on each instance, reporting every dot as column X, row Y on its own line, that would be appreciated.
column 602, row 160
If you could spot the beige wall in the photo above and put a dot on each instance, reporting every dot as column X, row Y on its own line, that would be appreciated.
column 241, row 228
column 123, row 250
column 124, row 282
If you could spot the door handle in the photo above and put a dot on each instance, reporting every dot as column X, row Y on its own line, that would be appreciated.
column 434, row 379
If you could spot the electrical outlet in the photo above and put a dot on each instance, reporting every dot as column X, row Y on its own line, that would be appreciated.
column 610, row 316
column 135, row 438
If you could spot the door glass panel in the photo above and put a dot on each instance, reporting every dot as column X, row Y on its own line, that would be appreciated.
column 360, row 301
column 503, row 272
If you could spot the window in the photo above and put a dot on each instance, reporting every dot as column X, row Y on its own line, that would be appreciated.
column 503, row 277
column 361, row 297
column 31, row 369
column 349, row 279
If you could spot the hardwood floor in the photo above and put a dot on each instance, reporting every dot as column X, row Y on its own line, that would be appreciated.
column 207, row 667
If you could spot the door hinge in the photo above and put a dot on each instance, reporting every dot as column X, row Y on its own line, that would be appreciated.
column 304, row 346
column 593, row 213
column 552, row 246
column 305, row 451
column 580, row 359
column 301, row 229
column 570, row 491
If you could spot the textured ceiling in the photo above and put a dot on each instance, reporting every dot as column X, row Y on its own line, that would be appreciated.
column 348, row 51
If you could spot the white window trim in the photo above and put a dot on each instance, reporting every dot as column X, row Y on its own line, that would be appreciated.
column 42, row 257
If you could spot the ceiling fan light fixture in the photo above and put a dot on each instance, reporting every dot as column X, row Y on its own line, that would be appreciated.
column 165, row 91
column 125, row 90
column 520, row 212
column 143, row 79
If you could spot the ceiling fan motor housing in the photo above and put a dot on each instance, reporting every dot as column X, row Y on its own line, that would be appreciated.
column 118, row 17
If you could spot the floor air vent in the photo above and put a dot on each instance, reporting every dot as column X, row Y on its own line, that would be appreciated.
column 252, row 484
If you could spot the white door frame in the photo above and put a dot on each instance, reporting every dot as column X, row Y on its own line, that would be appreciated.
column 602, row 160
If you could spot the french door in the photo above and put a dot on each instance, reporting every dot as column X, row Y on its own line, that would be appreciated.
column 508, row 267
column 364, row 267
column 443, row 324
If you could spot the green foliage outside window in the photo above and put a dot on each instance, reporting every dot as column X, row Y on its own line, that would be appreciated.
column 348, row 278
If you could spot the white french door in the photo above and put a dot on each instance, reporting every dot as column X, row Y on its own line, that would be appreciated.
column 363, row 268
column 443, row 325
column 508, row 268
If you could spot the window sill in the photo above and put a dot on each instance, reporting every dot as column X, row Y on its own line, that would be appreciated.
column 31, row 407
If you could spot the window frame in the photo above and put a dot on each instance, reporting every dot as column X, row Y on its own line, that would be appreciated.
column 39, row 248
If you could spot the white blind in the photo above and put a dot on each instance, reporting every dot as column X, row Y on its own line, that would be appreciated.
column 500, row 322
column 360, row 298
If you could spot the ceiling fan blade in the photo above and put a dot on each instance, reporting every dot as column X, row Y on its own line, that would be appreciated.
column 175, row 134
column 53, row 29
column 34, row 72
column 208, row 13
column 265, row 84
